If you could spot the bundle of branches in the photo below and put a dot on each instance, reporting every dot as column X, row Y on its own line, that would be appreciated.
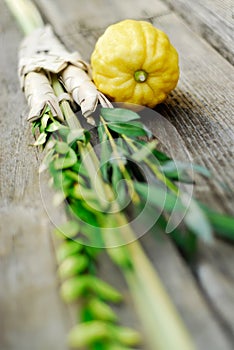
column 111, row 196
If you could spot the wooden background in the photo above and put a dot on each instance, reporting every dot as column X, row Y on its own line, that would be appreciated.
column 32, row 316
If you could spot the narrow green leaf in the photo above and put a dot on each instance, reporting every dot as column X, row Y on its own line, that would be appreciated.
column 41, row 139
column 159, row 196
column 86, row 215
column 105, row 155
column 124, row 335
column 101, row 310
column 118, row 115
column 70, row 229
column 62, row 147
column 61, row 181
column 75, row 135
column 145, row 151
column 73, row 265
column 222, row 224
column 36, row 124
column 116, row 176
column 171, row 168
column 93, row 234
column 88, row 333
column 162, row 157
column 63, row 132
column 197, row 221
column 71, row 174
column 66, row 162
column 131, row 129
column 44, row 121
column 116, row 346
column 54, row 126
column 68, row 248
column 104, row 290
column 73, row 288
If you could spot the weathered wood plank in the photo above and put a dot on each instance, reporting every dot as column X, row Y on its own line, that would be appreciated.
column 27, row 261
column 100, row 13
column 206, row 329
column 215, row 274
column 79, row 19
column 194, row 106
column 212, row 19
column 201, row 108
column 31, row 312
column 189, row 101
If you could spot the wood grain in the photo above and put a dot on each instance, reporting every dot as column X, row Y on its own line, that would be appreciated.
column 201, row 109
column 211, row 19
column 197, row 109
column 205, row 327
column 31, row 312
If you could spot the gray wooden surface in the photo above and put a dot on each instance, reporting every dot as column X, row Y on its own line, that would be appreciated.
column 213, row 20
column 32, row 315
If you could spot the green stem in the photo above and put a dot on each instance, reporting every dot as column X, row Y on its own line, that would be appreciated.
column 26, row 14
column 87, row 153
column 153, row 304
column 164, row 327
column 135, row 197
column 153, row 167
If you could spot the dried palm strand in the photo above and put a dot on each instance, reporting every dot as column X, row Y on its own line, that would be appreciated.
column 84, row 92
column 42, row 52
column 40, row 95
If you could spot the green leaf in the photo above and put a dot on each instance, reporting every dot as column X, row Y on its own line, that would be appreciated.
column 88, row 333
column 75, row 135
column 61, row 181
column 105, row 153
column 197, row 221
column 118, row 115
column 93, row 234
column 73, row 265
column 185, row 240
column 82, row 213
column 222, row 224
column 36, row 124
column 66, row 162
column 101, row 310
column 71, row 174
column 70, row 229
column 41, row 139
column 44, row 122
column 54, row 126
column 131, row 129
column 145, row 151
column 73, row 288
column 81, row 192
column 101, row 133
column 62, row 147
column 162, row 157
column 104, row 290
column 159, row 196
column 124, row 335
column 63, row 132
column 116, row 176
column 174, row 168
column 68, row 248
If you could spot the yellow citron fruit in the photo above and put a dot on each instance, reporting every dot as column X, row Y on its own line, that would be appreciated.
column 134, row 62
